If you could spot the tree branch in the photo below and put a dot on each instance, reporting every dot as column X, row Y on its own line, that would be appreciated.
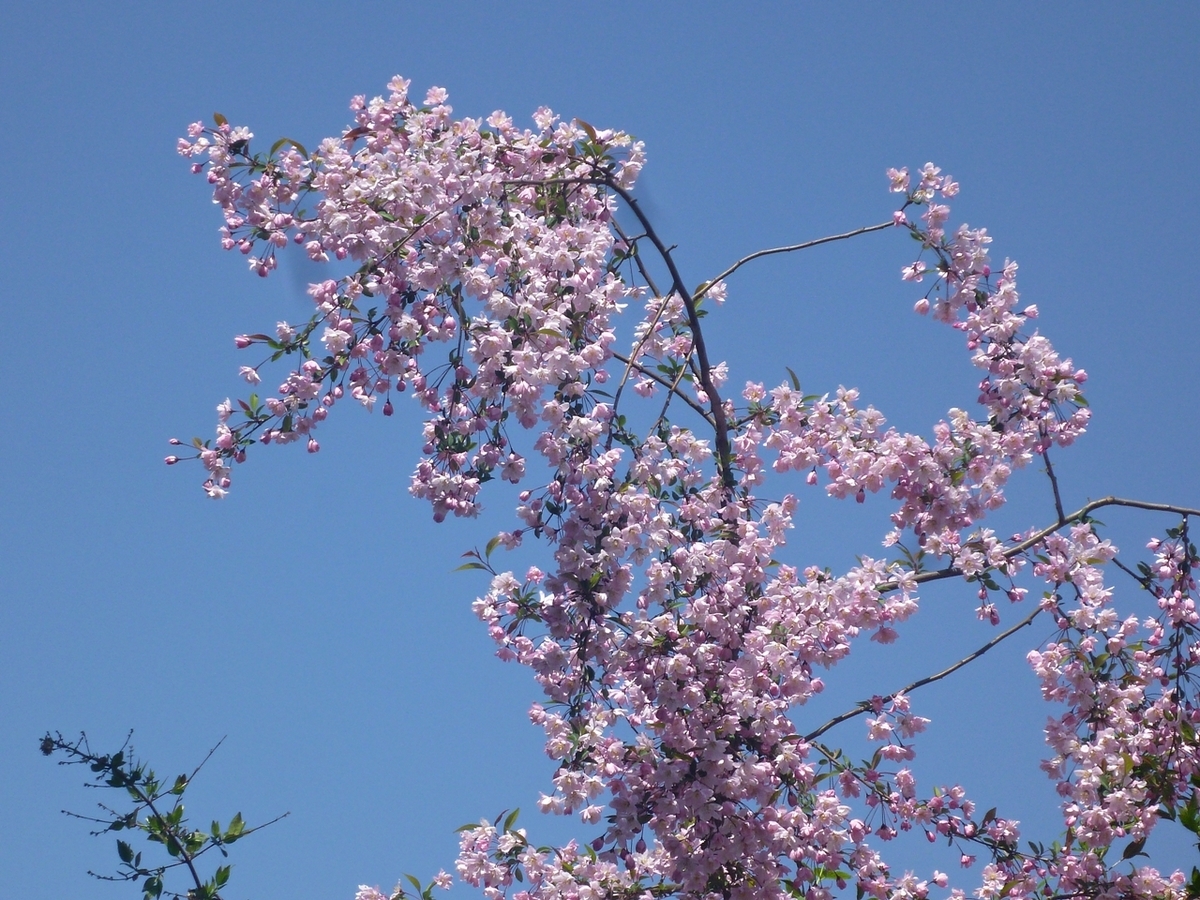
column 1038, row 536
column 720, row 426
column 637, row 258
column 1058, row 507
column 629, row 362
column 867, row 705
column 673, row 388
column 791, row 247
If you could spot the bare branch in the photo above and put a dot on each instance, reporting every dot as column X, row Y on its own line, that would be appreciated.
column 867, row 705
column 1058, row 507
column 637, row 259
column 673, row 388
column 790, row 248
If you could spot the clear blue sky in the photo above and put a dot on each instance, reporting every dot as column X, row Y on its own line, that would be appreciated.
column 312, row 616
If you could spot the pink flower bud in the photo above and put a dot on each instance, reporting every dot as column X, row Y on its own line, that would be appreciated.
column 921, row 307
column 388, row 409
column 174, row 442
column 242, row 341
column 313, row 446
column 812, row 477
column 171, row 460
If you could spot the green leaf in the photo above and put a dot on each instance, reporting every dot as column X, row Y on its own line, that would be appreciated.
column 512, row 819
column 1134, row 849
column 286, row 140
column 588, row 129
column 471, row 565
column 125, row 852
column 413, row 881
column 235, row 829
column 1189, row 817
column 795, row 380
column 221, row 877
column 220, row 119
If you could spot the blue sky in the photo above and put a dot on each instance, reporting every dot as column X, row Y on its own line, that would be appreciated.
column 313, row 617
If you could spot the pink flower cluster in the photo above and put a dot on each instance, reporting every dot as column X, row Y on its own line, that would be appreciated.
column 1125, row 747
column 675, row 650
column 1030, row 397
column 493, row 240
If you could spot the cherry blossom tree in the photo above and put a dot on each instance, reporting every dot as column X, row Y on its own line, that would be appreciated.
column 484, row 269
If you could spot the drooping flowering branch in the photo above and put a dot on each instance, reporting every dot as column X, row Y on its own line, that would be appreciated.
column 672, row 645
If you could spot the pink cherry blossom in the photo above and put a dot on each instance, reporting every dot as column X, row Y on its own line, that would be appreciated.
column 675, row 643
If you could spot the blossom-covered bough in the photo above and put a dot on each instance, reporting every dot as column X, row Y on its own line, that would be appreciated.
column 674, row 651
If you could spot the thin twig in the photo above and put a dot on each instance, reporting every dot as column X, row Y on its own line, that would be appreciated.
column 629, row 364
column 662, row 414
column 1143, row 581
column 867, row 705
column 637, row 259
column 673, row 388
column 790, row 248
column 186, row 858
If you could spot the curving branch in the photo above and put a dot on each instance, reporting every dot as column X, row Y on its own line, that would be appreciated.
column 720, row 426
column 868, row 705
column 1038, row 536
column 790, row 248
